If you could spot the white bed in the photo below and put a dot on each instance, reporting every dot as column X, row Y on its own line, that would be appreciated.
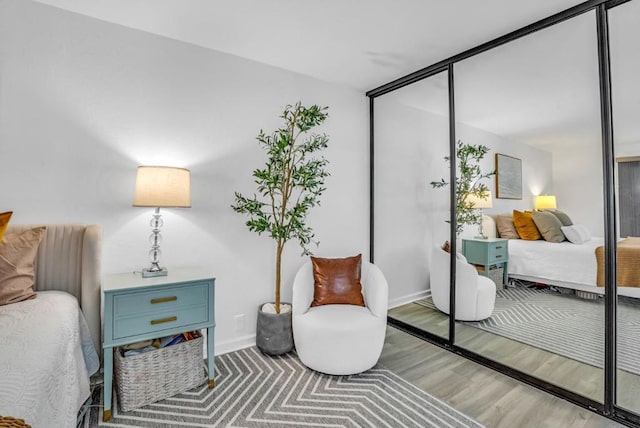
column 561, row 264
column 553, row 263
column 45, row 378
column 48, row 344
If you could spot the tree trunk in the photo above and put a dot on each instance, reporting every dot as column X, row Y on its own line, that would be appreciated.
column 278, row 273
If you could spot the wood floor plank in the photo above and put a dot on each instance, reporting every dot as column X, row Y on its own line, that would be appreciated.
column 573, row 375
column 491, row 398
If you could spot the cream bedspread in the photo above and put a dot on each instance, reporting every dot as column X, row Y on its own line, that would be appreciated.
column 46, row 358
column 561, row 261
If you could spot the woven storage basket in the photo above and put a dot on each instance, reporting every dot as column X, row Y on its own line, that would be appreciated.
column 11, row 422
column 155, row 375
column 496, row 273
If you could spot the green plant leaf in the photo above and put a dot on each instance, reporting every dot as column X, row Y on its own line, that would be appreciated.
column 291, row 182
column 468, row 181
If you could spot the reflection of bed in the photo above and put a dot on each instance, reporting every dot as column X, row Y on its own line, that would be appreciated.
column 560, row 264
column 46, row 346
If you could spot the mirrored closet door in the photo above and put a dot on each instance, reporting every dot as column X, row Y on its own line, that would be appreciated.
column 531, row 108
column 411, row 127
column 625, row 71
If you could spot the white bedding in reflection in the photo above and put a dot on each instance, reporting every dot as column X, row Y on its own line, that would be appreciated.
column 46, row 358
column 562, row 261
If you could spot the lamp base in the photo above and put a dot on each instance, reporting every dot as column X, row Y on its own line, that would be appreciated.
column 148, row 273
column 482, row 236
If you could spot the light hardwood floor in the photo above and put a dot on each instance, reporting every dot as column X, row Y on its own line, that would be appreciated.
column 493, row 399
column 573, row 375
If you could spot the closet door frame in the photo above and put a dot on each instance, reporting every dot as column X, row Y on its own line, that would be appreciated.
column 608, row 408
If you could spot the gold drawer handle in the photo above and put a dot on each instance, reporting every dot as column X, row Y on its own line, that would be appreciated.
column 163, row 320
column 164, row 299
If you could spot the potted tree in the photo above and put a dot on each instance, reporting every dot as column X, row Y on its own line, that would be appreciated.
column 290, row 183
column 467, row 182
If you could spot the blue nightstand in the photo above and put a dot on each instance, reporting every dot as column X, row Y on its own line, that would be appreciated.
column 137, row 309
column 488, row 253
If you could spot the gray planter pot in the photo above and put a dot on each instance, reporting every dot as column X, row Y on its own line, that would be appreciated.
column 274, row 335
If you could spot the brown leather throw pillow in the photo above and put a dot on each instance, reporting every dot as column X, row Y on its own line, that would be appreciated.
column 337, row 281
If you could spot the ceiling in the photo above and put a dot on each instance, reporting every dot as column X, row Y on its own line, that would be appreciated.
column 360, row 43
column 539, row 90
column 543, row 89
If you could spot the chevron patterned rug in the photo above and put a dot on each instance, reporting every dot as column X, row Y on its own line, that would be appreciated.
column 254, row 390
column 563, row 324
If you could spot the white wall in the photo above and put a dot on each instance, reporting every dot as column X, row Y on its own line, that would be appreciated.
column 537, row 174
column 577, row 177
column 84, row 102
column 410, row 216
column 578, row 184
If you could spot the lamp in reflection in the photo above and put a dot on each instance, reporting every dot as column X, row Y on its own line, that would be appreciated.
column 160, row 186
column 545, row 202
column 480, row 203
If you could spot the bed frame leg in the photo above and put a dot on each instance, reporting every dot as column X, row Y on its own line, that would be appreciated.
column 106, row 415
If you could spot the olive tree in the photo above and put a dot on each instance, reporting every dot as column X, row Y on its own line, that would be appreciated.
column 290, row 183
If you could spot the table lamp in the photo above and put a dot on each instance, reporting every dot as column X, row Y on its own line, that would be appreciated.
column 480, row 203
column 545, row 202
column 160, row 187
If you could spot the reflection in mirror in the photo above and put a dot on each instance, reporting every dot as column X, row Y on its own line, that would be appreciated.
column 411, row 141
column 625, row 69
column 534, row 103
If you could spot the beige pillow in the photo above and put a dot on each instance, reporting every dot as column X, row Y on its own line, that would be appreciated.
column 17, row 254
column 549, row 226
column 506, row 228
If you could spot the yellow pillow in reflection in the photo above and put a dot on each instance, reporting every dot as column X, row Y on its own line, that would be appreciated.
column 525, row 226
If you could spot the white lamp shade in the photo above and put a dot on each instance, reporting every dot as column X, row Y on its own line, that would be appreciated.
column 478, row 202
column 545, row 202
column 163, row 186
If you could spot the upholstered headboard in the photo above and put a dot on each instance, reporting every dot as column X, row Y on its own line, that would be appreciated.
column 489, row 226
column 69, row 259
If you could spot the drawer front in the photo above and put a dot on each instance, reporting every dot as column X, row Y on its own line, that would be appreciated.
column 160, row 299
column 158, row 321
column 498, row 252
column 475, row 252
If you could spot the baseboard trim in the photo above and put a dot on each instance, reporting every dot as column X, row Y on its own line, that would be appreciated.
column 399, row 301
column 235, row 344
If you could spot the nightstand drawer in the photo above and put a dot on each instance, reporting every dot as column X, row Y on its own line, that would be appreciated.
column 126, row 326
column 498, row 252
column 164, row 299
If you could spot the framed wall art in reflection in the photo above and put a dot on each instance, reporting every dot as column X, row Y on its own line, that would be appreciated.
column 508, row 177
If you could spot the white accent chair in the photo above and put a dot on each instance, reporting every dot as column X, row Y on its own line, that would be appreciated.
column 475, row 294
column 340, row 339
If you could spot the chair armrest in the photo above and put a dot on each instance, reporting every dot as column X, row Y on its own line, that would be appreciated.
column 302, row 289
column 486, row 285
column 375, row 290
